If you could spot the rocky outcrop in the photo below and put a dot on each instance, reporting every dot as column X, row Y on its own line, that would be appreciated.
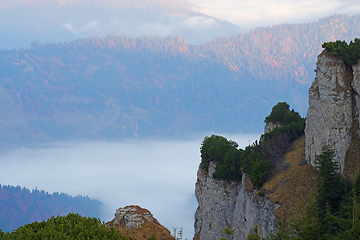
column 138, row 223
column 333, row 108
column 224, row 202
column 270, row 126
column 132, row 217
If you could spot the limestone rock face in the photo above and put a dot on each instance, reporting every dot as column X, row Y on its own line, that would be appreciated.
column 270, row 126
column 222, row 202
column 138, row 223
column 132, row 216
column 332, row 104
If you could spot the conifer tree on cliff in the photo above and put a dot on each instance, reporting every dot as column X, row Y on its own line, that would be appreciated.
column 330, row 189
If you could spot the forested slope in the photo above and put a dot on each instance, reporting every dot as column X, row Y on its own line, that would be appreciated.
column 19, row 206
column 118, row 87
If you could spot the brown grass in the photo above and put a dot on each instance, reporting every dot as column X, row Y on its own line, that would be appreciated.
column 249, row 186
column 352, row 158
column 292, row 188
column 145, row 231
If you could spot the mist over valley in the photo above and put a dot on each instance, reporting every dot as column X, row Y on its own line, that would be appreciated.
column 156, row 174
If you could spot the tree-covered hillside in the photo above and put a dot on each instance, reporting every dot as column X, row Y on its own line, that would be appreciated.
column 118, row 87
column 19, row 206
column 260, row 160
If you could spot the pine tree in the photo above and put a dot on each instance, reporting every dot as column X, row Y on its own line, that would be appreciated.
column 330, row 190
column 330, row 186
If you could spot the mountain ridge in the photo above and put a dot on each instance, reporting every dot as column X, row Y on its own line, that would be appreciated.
column 118, row 87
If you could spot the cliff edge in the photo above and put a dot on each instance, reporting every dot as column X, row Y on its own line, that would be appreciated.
column 333, row 115
column 224, row 202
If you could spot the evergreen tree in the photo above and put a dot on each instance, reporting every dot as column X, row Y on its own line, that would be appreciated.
column 330, row 188
column 257, row 159
column 349, row 53
column 356, row 188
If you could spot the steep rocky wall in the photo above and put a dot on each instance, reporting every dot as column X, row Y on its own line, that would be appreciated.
column 331, row 108
column 222, row 202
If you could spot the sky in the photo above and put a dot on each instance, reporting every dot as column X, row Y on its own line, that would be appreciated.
column 158, row 175
column 258, row 13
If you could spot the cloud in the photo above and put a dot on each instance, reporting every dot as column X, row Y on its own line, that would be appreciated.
column 251, row 14
column 195, row 29
column 91, row 28
column 199, row 22
column 156, row 174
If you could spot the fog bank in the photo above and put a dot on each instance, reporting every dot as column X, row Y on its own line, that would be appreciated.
column 155, row 174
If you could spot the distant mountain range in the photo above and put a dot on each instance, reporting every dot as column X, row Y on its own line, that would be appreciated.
column 118, row 87
column 24, row 21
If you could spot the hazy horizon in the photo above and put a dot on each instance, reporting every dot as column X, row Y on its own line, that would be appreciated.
column 21, row 25
column 157, row 175
column 260, row 13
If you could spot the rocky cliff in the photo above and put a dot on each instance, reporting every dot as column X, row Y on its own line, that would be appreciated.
column 333, row 115
column 224, row 202
column 332, row 119
column 138, row 223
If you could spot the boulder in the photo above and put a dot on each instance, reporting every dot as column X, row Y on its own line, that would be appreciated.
column 138, row 223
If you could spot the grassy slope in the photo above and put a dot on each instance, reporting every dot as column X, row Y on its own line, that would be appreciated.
column 294, row 187
column 351, row 166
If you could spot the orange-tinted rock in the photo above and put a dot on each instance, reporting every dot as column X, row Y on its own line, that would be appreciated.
column 138, row 223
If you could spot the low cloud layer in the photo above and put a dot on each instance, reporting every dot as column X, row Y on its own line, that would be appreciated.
column 250, row 14
column 157, row 175
column 23, row 24
column 195, row 29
